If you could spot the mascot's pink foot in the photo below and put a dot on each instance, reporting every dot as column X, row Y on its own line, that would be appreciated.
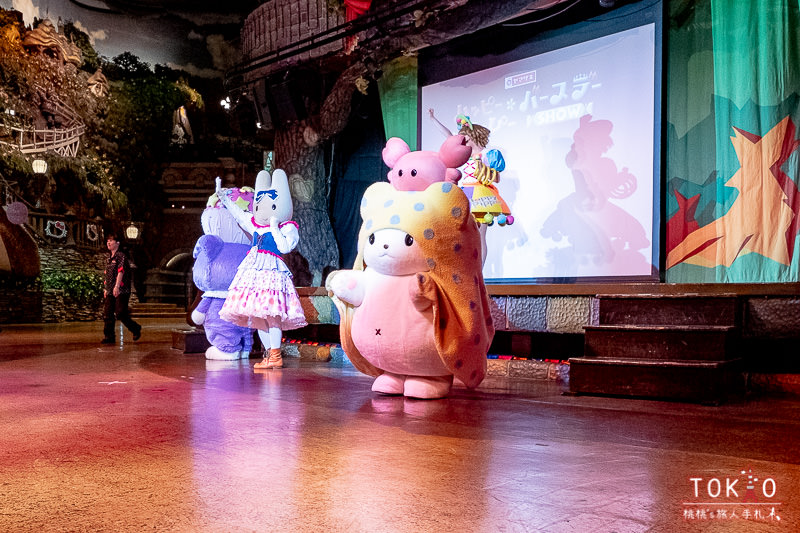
column 215, row 354
column 388, row 383
column 427, row 387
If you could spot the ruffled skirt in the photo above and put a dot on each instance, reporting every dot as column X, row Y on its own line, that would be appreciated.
column 262, row 298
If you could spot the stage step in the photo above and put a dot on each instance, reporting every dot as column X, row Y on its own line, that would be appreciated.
column 679, row 347
column 662, row 343
column 708, row 382
column 157, row 310
column 671, row 309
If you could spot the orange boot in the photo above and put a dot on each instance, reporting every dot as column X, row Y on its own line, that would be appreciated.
column 275, row 360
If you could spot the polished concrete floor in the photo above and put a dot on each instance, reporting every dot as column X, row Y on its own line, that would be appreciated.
column 141, row 437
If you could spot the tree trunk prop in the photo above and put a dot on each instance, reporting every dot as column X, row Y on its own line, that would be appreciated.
column 299, row 151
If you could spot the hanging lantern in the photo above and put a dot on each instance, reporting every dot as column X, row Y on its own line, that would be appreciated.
column 132, row 232
column 39, row 166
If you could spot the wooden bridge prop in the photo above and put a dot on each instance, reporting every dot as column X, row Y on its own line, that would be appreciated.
column 64, row 141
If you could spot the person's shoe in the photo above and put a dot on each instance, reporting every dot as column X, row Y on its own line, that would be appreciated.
column 138, row 334
column 107, row 341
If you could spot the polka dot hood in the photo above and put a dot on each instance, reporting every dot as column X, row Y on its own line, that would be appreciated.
column 439, row 219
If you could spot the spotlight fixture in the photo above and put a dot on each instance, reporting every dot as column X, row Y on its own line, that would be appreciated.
column 607, row 4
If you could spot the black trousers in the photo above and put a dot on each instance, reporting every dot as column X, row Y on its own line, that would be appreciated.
column 116, row 308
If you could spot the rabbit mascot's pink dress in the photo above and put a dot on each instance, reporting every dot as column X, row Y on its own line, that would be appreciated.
column 262, row 295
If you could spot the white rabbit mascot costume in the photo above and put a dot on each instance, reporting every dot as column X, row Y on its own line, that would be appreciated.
column 262, row 295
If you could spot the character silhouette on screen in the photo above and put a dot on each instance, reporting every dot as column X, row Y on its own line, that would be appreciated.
column 262, row 295
column 480, row 174
column 597, row 230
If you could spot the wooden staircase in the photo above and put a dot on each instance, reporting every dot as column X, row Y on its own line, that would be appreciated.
column 677, row 347
column 158, row 310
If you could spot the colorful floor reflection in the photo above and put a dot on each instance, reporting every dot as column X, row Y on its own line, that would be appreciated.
column 139, row 436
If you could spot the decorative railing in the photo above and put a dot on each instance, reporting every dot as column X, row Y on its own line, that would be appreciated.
column 277, row 26
column 62, row 110
column 170, row 286
column 57, row 229
column 67, row 230
column 64, row 142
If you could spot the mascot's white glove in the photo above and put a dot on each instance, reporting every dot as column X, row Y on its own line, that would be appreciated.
column 347, row 285
column 198, row 317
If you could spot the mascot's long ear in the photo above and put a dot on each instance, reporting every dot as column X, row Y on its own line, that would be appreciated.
column 454, row 152
column 280, row 182
column 283, row 200
column 395, row 149
column 263, row 181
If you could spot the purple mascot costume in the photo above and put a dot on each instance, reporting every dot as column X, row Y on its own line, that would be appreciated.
column 217, row 256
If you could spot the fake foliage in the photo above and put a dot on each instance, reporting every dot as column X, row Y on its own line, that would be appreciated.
column 127, row 133
column 82, row 285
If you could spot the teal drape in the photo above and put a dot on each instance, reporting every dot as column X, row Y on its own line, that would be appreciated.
column 732, row 198
column 398, row 92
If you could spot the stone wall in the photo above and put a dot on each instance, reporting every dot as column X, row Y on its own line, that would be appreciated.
column 772, row 316
column 67, row 257
column 24, row 301
column 56, row 306
column 770, row 324
column 544, row 314
column 20, row 301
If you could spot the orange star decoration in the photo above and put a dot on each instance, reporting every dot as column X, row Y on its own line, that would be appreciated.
column 764, row 217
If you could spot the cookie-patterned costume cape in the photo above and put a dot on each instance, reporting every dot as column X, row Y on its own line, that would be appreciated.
column 263, row 286
column 439, row 220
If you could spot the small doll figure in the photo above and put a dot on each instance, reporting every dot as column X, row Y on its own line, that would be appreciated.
column 481, row 173
column 262, row 295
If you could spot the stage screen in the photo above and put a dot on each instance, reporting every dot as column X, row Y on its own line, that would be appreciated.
column 576, row 129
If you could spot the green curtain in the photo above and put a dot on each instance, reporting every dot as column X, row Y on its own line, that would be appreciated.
column 398, row 92
column 732, row 198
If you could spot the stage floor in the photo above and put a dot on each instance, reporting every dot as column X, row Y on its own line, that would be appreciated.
column 141, row 437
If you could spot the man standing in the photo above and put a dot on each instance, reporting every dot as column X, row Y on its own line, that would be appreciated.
column 117, row 292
